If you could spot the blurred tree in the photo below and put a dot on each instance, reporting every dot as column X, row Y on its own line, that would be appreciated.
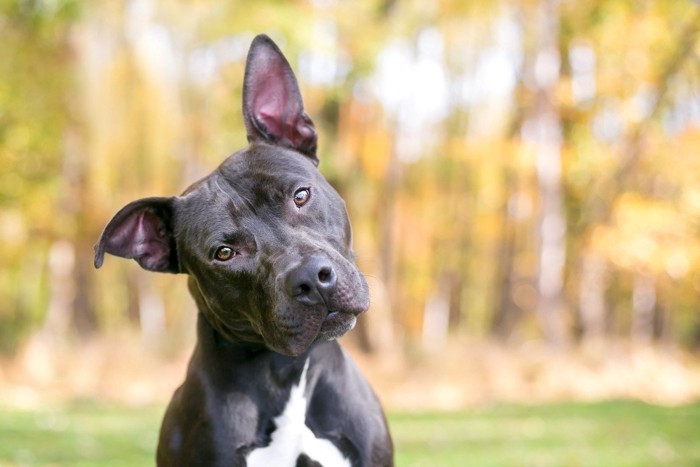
column 544, row 130
column 653, row 95
column 37, row 70
column 504, row 162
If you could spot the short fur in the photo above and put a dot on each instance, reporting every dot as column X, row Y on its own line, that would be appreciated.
column 267, row 245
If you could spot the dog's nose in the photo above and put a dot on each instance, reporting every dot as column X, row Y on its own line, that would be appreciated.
column 312, row 282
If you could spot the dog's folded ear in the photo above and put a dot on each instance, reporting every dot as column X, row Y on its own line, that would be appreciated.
column 273, row 109
column 142, row 230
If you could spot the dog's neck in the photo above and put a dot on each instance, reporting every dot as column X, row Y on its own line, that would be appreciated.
column 245, row 349
column 222, row 359
column 209, row 336
column 223, row 354
column 233, row 334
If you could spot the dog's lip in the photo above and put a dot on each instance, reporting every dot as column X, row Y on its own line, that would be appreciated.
column 338, row 322
column 334, row 314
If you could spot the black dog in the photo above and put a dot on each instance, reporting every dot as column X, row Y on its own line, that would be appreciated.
column 267, row 245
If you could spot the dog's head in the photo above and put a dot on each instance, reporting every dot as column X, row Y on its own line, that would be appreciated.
column 265, row 239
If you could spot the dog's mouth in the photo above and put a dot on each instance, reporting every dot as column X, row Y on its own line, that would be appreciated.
column 296, row 329
column 337, row 323
column 300, row 319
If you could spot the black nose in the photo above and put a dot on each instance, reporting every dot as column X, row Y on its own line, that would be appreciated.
column 313, row 282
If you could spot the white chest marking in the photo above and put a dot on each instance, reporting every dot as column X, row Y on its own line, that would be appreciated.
column 292, row 437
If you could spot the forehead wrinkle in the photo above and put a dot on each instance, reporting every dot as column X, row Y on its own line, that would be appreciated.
column 237, row 200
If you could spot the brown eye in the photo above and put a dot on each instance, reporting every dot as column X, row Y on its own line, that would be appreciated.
column 225, row 253
column 301, row 196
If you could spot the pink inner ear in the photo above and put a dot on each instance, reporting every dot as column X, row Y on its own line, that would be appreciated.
column 305, row 131
column 276, row 106
column 133, row 234
column 141, row 237
column 142, row 230
column 273, row 106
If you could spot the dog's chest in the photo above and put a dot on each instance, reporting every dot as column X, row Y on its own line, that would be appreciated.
column 292, row 438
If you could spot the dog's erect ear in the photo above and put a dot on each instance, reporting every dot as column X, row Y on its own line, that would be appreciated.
column 142, row 230
column 273, row 109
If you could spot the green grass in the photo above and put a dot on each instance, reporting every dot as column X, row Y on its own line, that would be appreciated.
column 80, row 435
column 604, row 434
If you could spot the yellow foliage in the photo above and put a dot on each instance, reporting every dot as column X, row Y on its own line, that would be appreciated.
column 649, row 236
column 375, row 153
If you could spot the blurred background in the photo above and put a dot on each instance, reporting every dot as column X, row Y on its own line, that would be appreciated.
column 522, row 176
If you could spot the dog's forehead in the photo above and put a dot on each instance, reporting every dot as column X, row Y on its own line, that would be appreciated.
column 252, row 179
column 262, row 165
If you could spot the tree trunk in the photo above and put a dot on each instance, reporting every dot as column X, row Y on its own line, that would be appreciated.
column 436, row 314
column 506, row 314
column 387, row 232
column 77, row 204
column 61, row 290
column 545, row 128
column 643, row 306
column 593, row 280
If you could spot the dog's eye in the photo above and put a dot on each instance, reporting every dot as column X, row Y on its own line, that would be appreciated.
column 301, row 196
column 225, row 253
